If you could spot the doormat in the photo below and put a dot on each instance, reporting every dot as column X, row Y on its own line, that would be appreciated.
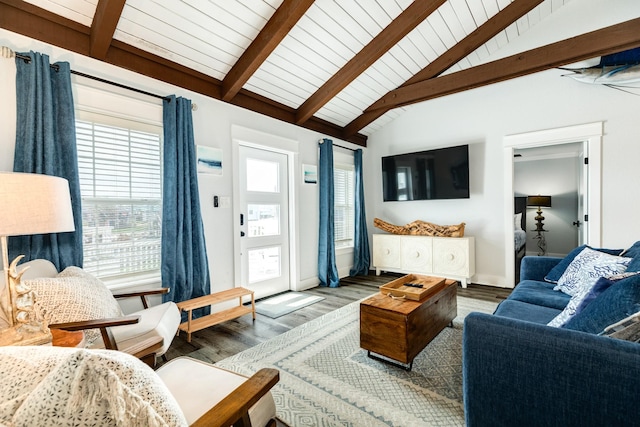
column 286, row 303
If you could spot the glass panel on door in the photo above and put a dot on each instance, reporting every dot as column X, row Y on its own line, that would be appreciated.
column 264, row 220
column 264, row 264
column 262, row 176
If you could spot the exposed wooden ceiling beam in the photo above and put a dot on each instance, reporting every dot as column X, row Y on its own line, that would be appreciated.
column 31, row 21
column 462, row 49
column 601, row 42
column 104, row 25
column 410, row 18
column 276, row 29
column 477, row 38
column 24, row 18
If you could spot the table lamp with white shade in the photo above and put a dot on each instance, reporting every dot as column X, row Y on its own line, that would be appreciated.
column 540, row 202
column 31, row 204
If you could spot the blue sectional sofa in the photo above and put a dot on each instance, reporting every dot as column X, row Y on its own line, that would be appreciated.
column 517, row 371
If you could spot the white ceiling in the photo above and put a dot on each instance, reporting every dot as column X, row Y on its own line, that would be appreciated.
column 210, row 35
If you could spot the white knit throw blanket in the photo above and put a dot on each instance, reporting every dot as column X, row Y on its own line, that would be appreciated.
column 81, row 387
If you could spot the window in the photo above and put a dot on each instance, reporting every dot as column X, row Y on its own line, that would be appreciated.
column 121, row 185
column 344, row 211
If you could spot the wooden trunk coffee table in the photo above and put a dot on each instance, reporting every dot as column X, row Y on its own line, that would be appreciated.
column 399, row 329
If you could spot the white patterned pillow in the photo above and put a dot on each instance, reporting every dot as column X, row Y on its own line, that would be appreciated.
column 74, row 296
column 572, row 307
column 587, row 267
column 70, row 387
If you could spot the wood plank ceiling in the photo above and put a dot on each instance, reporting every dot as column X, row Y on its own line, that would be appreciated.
column 341, row 67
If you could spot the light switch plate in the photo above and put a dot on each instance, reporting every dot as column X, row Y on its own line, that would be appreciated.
column 225, row 201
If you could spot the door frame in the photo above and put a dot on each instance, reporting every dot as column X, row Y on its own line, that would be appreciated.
column 261, row 140
column 591, row 136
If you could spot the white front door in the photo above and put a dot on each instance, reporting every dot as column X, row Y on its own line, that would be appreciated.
column 264, row 221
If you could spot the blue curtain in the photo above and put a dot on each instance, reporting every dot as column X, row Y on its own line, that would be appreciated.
column 185, row 269
column 361, row 257
column 46, row 144
column 327, row 270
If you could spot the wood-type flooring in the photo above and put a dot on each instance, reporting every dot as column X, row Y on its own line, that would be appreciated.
column 221, row 341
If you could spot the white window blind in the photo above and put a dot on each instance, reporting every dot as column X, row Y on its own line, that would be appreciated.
column 121, row 186
column 344, row 213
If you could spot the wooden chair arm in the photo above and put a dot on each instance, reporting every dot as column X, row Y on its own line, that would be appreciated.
column 96, row 323
column 234, row 409
column 102, row 324
column 142, row 294
column 144, row 350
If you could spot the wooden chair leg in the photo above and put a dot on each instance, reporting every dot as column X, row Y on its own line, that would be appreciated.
column 150, row 359
column 244, row 421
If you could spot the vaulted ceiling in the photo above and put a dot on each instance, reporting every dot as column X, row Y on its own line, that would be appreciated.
column 341, row 67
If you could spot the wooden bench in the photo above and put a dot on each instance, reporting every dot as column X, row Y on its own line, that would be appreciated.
column 193, row 325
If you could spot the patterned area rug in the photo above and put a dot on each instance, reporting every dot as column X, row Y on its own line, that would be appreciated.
column 326, row 379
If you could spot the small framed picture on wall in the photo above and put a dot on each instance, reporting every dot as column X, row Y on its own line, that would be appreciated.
column 209, row 160
column 310, row 174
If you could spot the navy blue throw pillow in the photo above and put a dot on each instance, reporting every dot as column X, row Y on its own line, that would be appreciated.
column 601, row 285
column 634, row 265
column 633, row 251
column 621, row 300
column 556, row 272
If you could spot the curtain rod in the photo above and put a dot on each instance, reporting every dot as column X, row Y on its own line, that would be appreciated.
column 9, row 53
column 321, row 141
column 120, row 85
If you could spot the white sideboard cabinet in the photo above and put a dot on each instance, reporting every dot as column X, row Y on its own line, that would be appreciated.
column 449, row 257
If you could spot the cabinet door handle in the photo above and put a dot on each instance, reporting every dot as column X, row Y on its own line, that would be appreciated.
column 451, row 257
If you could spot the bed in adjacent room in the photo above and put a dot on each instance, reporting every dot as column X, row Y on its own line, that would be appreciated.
column 519, row 231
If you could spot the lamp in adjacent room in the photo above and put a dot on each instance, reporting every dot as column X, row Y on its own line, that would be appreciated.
column 31, row 204
column 540, row 202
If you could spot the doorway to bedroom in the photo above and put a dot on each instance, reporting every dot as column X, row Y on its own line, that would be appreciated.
column 538, row 163
column 552, row 175
column 555, row 171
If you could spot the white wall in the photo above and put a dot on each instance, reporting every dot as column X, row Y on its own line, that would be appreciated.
column 213, row 121
column 483, row 117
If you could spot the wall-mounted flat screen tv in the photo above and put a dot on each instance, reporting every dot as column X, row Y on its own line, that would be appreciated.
column 427, row 175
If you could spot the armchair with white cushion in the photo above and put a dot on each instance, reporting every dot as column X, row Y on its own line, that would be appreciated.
column 75, row 300
column 80, row 386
